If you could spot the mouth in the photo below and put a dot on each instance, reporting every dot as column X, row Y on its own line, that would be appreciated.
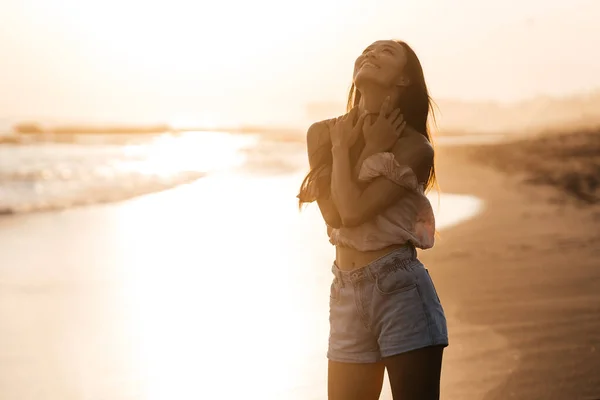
column 369, row 64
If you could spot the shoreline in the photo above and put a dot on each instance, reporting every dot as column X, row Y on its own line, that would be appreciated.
column 267, row 156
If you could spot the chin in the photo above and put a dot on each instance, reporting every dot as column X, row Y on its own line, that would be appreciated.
column 368, row 76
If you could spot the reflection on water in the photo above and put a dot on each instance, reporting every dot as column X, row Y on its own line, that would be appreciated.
column 213, row 290
column 42, row 176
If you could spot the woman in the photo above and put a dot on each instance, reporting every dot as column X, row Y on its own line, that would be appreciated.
column 369, row 172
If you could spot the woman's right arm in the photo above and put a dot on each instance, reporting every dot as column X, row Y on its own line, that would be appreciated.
column 316, row 138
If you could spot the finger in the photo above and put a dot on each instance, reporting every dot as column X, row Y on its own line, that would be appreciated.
column 361, row 120
column 396, row 124
column 350, row 114
column 354, row 113
column 384, row 108
column 398, row 120
column 400, row 128
column 368, row 122
column 390, row 106
column 394, row 114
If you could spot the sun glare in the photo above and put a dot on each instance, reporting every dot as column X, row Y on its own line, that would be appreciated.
column 197, row 151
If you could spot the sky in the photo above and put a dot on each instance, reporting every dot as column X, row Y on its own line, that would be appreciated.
column 219, row 62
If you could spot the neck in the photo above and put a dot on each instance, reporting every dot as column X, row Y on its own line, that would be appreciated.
column 372, row 97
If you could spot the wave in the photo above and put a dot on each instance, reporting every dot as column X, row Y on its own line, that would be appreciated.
column 47, row 176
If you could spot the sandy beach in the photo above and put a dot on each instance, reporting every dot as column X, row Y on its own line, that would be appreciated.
column 521, row 282
column 218, row 290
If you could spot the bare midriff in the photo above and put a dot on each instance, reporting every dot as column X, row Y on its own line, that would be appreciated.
column 347, row 258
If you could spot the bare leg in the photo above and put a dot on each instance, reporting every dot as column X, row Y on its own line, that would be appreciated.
column 416, row 375
column 348, row 381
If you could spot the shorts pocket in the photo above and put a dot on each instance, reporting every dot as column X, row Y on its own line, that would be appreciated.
column 334, row 290
column 395, row 280
column 404, row 324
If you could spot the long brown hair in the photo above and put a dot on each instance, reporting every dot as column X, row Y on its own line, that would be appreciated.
column 415, row 104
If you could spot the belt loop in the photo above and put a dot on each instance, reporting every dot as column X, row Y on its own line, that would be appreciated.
column 370, row 274
column 338, row 275
column 413, row 251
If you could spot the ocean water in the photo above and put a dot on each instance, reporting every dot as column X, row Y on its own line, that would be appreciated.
column 43, row 176
column 46, row 176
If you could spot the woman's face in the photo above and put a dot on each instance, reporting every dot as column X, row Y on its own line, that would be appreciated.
column 382, row 63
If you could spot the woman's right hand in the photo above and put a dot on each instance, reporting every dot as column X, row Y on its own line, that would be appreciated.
column 382, row 134
column 345, row 131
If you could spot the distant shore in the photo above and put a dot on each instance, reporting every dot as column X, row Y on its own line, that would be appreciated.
column 27, row 132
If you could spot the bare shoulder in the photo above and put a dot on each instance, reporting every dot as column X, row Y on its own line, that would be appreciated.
column 318, row 127
column 318, row 133
column 413, row 144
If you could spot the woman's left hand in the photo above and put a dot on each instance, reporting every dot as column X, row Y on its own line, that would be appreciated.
column 345, row 131
column 383, row 133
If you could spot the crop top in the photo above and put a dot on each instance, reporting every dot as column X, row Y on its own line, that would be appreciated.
column 410, row 219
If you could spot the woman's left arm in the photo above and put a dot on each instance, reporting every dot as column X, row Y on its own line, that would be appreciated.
column 356, row 205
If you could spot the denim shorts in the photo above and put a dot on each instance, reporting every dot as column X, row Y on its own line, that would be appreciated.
column 385, row 308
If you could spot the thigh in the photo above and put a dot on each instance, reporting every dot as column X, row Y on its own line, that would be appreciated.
column 415, row 375
column 353, row 381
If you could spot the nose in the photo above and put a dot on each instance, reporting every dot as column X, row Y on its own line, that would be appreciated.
column 370, row 54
